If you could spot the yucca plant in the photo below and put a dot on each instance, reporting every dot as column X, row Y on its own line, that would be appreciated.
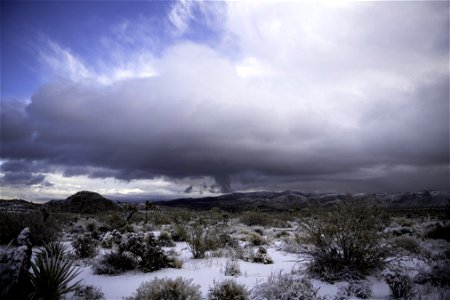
column 53, row 249
column 53, row 274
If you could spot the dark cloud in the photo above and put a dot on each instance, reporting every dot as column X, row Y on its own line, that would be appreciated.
column 365, row 107
column 189, row 189
column 22, row 172
column 21, row 178
column 14, row 125
column 131, row 132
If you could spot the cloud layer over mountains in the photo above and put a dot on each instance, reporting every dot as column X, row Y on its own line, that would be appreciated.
column 292, row 96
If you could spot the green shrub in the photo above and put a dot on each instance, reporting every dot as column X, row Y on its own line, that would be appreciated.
column 169, row 289
column 346, row 242
column 85, row 246
column 52, row 273
column 228, row 290
column 146, row 249
column 141, row 248
column 115, row 263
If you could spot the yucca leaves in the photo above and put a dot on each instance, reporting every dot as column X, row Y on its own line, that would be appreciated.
column 53, row 274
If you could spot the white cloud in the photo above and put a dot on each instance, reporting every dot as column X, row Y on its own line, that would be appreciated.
column 63, row 64
column 180, row 15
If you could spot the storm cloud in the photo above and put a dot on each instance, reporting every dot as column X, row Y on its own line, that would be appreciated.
column 343, row 98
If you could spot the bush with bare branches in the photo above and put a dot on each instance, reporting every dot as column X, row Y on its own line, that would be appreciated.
column 345, row 242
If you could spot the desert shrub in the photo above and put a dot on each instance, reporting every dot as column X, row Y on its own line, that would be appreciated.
column 439, row 232
column 346, row 242
column 87, row 292
column 285, row 286
column 215, row 237
column 400, row 285
column 259, row 231
column 253, row 218
column 406, row 243
column 170, row 289
column 165, row 239
column 437, row 275
column 85, row 246
column 282, row 234
column 91, row 226
column 43, row 229
column 198, row 241
column 402, row 231
column 407, row 222
column 228, row 290
column 52, row 273
column 257, row 240
column 291, row 245
column 232, row 268
column 262, row 257
column 107, row 240
column 357, row 288
column 159, row 217
column 115, row 263
column 173, row 260
column 179, row 233
column 103, row 228
column 146, row 249
column 429, row 292
column 228, row 240
column 116, row 221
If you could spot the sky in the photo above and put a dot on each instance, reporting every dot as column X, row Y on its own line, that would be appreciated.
column 169, row 99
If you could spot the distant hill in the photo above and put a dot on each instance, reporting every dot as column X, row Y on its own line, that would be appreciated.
column 82, row 202
column 281, row 201
column 17, row 206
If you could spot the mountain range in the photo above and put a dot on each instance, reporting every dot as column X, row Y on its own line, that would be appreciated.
column 291, row 199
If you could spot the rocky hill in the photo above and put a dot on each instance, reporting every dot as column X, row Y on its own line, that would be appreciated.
column 82, row 202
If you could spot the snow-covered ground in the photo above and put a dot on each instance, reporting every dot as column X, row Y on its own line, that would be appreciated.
column 205, row 272
column 202, row 271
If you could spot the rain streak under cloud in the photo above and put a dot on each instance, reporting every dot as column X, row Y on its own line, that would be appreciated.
column 168, row 99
